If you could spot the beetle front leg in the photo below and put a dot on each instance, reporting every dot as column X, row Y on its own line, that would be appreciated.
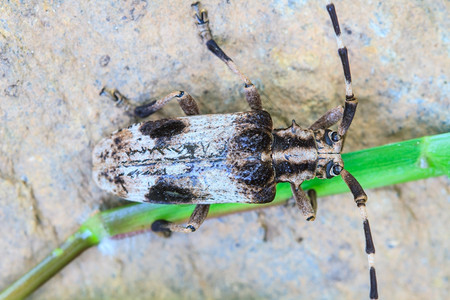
column 198, row 216
column 251, row 93
column 330, row 118
column 306, row 203
column 187, row 103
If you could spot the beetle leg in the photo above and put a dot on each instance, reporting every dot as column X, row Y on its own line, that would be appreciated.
column 197, row 217
column 312, row 195
column 330, row 118
column 251, row 93
column 116, row 96
column 308, row 206
column 187, row 103
column 350, row 100
column 161, row 228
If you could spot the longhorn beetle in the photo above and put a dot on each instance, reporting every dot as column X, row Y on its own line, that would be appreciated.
column 220, row 158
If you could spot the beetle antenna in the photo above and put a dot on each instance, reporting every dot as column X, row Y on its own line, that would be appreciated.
column 350, row 100
column 361, row 199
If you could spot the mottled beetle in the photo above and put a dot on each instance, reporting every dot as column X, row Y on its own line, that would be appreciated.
column 223, row 158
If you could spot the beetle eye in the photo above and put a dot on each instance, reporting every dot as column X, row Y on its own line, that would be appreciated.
column 333, row 169
column 336, row 170
column 335, row 136
column 331, row 137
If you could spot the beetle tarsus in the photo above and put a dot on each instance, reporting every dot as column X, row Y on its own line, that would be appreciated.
column 116, row 96
column 162, row 227
column 200, row 15
column 191, row 228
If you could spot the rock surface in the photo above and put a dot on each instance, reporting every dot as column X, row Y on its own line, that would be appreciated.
column 56, row 56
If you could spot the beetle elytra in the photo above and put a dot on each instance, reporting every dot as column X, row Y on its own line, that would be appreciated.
column 220, row 158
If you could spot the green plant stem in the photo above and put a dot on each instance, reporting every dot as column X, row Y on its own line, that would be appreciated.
column 386, row 165
column 52, row 264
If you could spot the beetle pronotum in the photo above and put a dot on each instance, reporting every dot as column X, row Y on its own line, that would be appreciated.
column 238, row 157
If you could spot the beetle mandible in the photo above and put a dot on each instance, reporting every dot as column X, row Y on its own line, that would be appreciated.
column 223, row 158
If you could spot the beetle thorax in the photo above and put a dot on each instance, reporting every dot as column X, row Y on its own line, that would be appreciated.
column 294, row 154
column 301, row 154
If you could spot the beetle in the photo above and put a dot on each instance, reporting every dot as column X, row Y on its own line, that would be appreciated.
column 223, row 158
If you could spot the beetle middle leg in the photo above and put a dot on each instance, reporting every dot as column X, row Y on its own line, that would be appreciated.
column 198, row 216
column 251, row 93
column 187, row 103
column 306, row 203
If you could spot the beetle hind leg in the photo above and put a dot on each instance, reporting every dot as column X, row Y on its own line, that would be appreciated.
column 251, row 93
column 198, row 216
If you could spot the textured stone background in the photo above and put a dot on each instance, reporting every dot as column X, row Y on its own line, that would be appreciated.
column 55, row 56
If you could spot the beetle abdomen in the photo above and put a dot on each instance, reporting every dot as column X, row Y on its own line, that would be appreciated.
column 198, row 159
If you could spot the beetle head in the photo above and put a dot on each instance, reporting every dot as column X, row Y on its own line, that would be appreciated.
column 329, row 145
